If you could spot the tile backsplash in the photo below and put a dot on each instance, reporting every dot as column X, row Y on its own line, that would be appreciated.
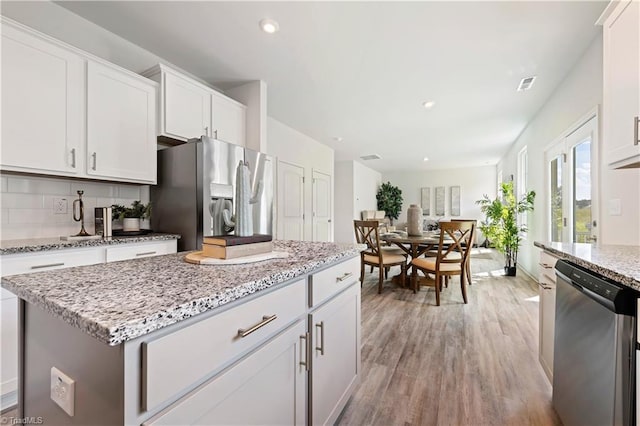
column 27, row 204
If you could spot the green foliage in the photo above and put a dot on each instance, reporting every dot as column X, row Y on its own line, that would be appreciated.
column 137, row 209
column 501, row 223
column 390, row 200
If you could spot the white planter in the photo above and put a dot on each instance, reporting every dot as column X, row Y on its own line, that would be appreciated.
column 131, row 224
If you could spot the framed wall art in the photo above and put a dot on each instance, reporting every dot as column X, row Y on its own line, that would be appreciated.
column 439, row 200
column 425, row 201
column 454, row 199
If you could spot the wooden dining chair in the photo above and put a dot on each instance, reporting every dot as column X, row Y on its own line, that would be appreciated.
column 472, row 241
column 367, row 233
column 454, row 237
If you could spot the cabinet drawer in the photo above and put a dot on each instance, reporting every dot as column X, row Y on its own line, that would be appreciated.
column 331, row 281
column 135, row 251
column 547, row 266
column 174, row 362
column 59, row 259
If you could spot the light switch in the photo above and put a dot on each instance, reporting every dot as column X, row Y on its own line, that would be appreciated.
column 615, row 207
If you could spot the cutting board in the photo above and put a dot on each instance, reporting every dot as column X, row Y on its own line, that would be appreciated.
column 197, row 258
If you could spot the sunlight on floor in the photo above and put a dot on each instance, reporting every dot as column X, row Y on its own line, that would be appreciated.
column 533, row 299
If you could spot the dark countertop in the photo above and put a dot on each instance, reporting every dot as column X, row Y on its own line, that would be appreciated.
column 119, row 301
column 619, row 263
column 46, row 244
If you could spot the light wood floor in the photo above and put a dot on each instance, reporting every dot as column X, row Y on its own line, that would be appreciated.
column 456, row 364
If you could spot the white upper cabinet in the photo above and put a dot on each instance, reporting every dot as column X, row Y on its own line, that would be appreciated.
column 121, row 125
column 189, row 109
column 42, row 104
column 68, row 113
column 186, row 108
column 229, row 119
column 621, row 95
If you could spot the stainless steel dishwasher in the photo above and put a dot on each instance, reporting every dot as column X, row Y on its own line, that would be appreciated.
column 593, row 367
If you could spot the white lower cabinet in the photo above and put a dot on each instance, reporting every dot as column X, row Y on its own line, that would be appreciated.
column 547, row 313
column 9, row 345
column 266, row 387
column 335, row 360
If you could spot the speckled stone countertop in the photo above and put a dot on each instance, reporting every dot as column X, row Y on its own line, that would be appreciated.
column 619, row 263
column 116, row 302
column 47, row 244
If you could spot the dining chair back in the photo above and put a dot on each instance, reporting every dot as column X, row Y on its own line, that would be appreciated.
column 367, row 233
column 453, row 251
column 471, row 243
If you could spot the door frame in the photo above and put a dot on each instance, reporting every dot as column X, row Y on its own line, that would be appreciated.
column 279, row 207
column 313, row 204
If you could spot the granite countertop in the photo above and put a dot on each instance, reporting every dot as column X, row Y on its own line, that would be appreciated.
column 619, row 263
column 119, row 301
column 46, row 244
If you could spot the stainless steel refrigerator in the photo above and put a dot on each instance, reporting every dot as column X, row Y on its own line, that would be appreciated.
column 197, row 180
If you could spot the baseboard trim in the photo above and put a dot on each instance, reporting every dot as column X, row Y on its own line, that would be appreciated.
column 8, row 401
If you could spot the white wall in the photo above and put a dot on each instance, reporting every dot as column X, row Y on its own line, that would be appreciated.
column 474, row 182
column 26, row 207
column 355, row 190
column 578, row 93
column 297, row 148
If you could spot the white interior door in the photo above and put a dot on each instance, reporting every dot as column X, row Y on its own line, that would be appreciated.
column 321, row 206
column 572, row 196
column 290, row 201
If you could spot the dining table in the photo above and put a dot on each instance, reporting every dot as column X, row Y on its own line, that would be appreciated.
column 415, row 246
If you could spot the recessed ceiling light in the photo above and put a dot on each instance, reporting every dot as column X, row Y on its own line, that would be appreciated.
column 371, row 157
column 426, row 159
column 269, row 25
column 337, row 138
column 428, row 104
column 526, row 83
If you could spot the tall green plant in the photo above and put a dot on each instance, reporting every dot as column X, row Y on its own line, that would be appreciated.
column 390, row 200
column 501, row 223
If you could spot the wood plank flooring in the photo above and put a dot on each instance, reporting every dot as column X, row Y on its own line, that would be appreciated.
column 456, row 364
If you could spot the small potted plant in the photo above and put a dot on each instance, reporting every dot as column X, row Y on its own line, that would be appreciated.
column 390, row 200
column 131, row 216
column 501, row 225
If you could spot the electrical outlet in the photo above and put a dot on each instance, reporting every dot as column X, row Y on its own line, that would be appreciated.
column 63, row 390
column 60, row 206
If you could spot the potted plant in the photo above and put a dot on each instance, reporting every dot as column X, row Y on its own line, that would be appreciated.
column 131, row 216
column 390, row 200
column 501, row 226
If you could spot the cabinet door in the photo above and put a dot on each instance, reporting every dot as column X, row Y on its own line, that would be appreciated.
column 547, row 293
column 187, row 109
column 9, row 349
column 267, row 387
column 42, row 104
column 229, row 119
column 335, row 365
column 622, row 83
column 121, row 140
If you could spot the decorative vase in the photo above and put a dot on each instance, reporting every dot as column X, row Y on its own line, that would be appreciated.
column 414, row 220
column 242, row 221
column 131, row 224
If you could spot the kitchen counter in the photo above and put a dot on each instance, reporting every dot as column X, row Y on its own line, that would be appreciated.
column 46, row 244
column 619, row 263
column 119, row 301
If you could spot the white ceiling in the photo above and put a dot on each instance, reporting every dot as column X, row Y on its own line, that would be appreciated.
column 361, row 70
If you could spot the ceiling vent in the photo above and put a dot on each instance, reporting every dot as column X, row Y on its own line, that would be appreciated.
column 526, row 83
column 371, row 157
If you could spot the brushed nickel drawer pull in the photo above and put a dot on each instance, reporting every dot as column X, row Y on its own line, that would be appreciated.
column 73, row 158
column 49, row 265
column 146, row 253
column 344, row 276
column 544, row 287
column 636, row 123
column 305, row 363
column 545, row 266
column 266, row 319
column 94, row 157
column 321, row 347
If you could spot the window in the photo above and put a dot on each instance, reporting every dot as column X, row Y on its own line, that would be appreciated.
column 521, row 184
column 570, row 195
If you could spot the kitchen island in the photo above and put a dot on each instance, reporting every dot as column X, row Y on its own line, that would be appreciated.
column 161, row 341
